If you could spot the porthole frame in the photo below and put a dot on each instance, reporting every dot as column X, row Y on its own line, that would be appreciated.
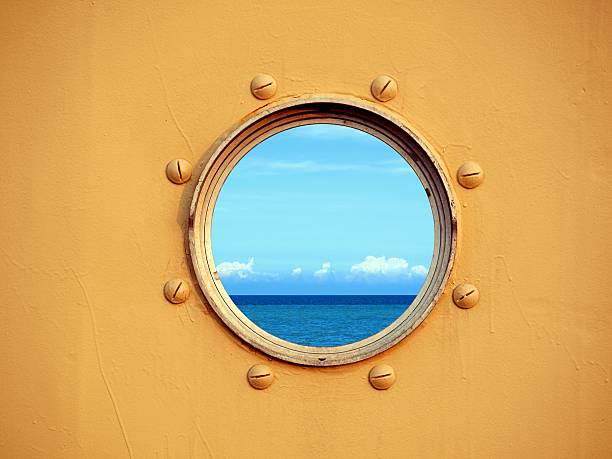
column 346, row 111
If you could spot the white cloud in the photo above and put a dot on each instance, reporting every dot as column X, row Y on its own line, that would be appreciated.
column 373, row 266
column 324, row 271
column 419, row 270
column 370, row 267
column 236, row 269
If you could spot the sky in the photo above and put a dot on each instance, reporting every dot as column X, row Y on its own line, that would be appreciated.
column 322, row 210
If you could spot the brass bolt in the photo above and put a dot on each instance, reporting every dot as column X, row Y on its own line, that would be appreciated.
column 263, row 86
column 260, row 376
column 179, row 171
column 466, row 296
column 470, row 175
column 176, row 291
column 382, row 377
column 384, row 88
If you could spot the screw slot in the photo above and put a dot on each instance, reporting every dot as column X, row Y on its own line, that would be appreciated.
column 177, row 289
column 382, row 376
column 384, row 88
column 261, row 87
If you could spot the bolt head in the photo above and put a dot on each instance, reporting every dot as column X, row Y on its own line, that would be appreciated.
column 176, row 291
column 382, row 376
column 263, row 86
column 384, row 88
column 179, row 171
column 260, row 376
column 470, row 175
column 466, row 296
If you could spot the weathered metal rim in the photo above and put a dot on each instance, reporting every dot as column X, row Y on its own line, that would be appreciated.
column 332, row 109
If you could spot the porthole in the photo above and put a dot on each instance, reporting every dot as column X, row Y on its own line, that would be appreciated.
column 282, row 237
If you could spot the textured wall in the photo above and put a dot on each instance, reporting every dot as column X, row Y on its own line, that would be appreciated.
column 97, row 96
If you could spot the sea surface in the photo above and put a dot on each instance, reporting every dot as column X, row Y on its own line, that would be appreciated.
column 323, row 320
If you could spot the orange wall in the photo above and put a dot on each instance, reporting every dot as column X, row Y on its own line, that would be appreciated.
column 96, row 97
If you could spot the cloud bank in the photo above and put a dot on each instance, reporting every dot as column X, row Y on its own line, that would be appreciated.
column 370, row 268
column 324, row 272
column 373, row 266
column 236, row 269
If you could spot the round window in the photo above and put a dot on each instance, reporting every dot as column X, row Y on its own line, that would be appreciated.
column 322, row 231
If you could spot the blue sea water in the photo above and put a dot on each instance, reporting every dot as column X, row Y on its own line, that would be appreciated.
column 322, row 320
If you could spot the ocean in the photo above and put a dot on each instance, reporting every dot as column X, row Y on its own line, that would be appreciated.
column 322, row 320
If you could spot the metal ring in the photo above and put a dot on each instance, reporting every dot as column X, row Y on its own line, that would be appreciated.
column 315, row 110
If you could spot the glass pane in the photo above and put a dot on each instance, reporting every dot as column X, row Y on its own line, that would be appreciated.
column 322, row 235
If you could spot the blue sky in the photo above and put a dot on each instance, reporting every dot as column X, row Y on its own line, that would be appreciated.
column 322, row 209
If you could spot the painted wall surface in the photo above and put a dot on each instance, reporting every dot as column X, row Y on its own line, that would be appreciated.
column 97, row 96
